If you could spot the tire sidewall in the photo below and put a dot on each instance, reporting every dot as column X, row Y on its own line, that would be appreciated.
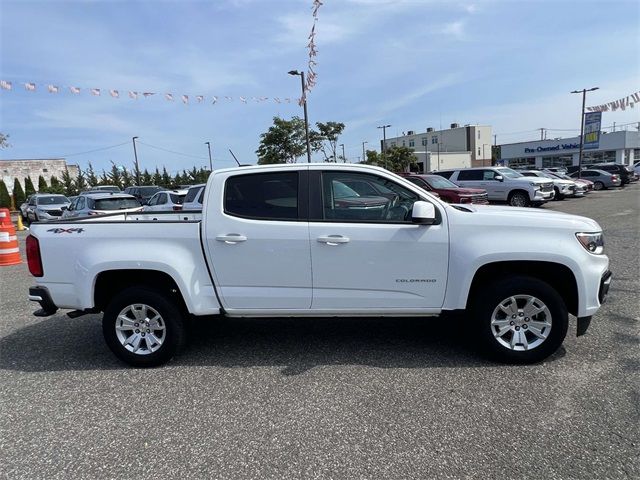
column 517, row 194
column 487, row 300
column 598, row 185
column 174, row 325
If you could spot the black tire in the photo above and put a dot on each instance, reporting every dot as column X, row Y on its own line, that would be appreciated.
column 558, row 195
column 519, row 199
column 488, row 300
column 598, row 185
column 174, row 335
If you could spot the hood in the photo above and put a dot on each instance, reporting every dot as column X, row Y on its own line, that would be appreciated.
column 536, row 180
column 562, row 181
column 503, row 216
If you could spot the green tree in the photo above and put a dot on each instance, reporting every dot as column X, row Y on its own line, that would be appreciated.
column 92, row 179
column 146, row 177
column 373, row 158
column 325, row 139
column 42, row 184
column 104, row 179
column 68, row 183
column 18, row 193
column 29, row 189
column 115, row 175
column 127, row 179
column 137, row 175
column 157, row 178
column 398, row 159
column 4, row 142
column 81, row 182
column 166, row 178
column 284, row 142
column 56, row 186
column 5, row 198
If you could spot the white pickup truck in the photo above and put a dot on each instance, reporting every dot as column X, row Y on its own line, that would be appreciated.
column 297, row 240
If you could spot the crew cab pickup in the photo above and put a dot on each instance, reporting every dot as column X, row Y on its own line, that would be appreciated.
column 503, row 185
column 286, row 240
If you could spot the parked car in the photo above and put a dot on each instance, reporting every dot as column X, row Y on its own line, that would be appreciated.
column 102, row 203
column 636, row 168
column 46, row 206
column 503, row 185
column 562, row 188
column 23, row 207
column 194, row 197
column 600, row 178
column 266, row 246
column 624, row 173
column 102, row 188
column 143, row 193
column 166, row 201
column 581, row 183
column 447, row 190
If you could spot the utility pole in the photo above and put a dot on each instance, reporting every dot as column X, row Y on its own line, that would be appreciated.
column 344, row 158
column 135, row 154
column 306, row 117
column 584, row 98
column 364, row 157
column 384, row 143
column 541, row 133
column 208, row 144
column 614, row 127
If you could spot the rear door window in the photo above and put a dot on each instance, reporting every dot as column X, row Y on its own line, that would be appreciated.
column 264, row 196
column 470, row 175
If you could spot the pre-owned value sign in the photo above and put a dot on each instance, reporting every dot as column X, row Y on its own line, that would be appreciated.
column 592, row 123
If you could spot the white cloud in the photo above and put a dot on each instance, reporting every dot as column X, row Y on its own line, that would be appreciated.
column 455, row 29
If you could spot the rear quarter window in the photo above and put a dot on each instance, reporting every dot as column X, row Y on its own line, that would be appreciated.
column 264, row 196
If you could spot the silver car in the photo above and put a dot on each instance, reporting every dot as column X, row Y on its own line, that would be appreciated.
column 194, row 198
column 166, row 201
column 90, row 204
column 600, row 178
column 563, row 188
column 45, row 206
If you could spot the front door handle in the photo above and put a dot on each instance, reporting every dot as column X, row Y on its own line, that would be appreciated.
column 333, row 239
column 231, row 238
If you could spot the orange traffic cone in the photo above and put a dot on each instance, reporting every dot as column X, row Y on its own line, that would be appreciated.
column 5, row 216
column 9, row 250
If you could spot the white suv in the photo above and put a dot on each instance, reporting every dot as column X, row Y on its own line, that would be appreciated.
column 503, row 185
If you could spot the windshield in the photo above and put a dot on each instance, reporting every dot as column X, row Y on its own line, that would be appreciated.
column 115, row 203
column 440, row 182
column 177, row 198
column 507, row 172
column 52, row 200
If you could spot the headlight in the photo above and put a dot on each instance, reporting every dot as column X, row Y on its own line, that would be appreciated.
column 593, row 242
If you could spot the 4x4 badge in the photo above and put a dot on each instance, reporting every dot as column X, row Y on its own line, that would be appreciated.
column 66, row 230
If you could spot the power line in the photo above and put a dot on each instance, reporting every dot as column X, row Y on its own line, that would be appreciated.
column 92, row 151
column 172, row 151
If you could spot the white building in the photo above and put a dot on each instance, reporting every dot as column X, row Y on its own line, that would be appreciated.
column 473, row 142
column 23, row 168
column 620, row 147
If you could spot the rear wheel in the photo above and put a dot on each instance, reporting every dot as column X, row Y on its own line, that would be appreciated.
column 143, row 328
column 558, row 195
column 598, row 185
column 520, row 320
column 519, row 199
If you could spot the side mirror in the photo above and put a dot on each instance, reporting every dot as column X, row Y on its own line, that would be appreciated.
column 64, row 207
column 499, row 178
column 423, row 213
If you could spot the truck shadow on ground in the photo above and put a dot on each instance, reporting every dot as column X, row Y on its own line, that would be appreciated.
column 295, row 345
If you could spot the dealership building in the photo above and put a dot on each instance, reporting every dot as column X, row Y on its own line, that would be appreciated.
column 620, row 147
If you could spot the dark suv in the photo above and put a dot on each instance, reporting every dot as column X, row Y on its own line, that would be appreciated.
column 144, row 193
column 625, row 173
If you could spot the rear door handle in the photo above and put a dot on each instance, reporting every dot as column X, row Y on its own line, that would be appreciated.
column 333, row 239
column 231, row 238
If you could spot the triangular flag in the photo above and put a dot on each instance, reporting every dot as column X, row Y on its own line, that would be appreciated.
column 95, row 91
column 30, row 86
column 169, row 96
column 75, row 90
column 52, row 89
column 133, row 95
column 114, row 93
column 5, row 85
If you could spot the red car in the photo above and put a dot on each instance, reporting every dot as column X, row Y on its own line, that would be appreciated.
column 448, row 191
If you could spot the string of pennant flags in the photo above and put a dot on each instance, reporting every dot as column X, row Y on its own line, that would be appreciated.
column 134, row 95
column 312, row 76
column 622, row 104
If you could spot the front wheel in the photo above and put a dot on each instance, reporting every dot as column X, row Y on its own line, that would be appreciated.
column 598, row 185
column 519, row 199
column 520, row 319
column 143, row 328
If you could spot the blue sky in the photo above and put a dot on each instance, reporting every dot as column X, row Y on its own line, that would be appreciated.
column 408, row 63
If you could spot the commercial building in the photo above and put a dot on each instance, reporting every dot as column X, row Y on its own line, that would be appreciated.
column 470, row 143
column 620, row 147
column 23, row 168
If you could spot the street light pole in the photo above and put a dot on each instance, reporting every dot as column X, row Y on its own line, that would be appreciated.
column 344, row 158
column 135, row 154
column 306, row 117
column 208, row 144
column 584, row 98
column 384, row 143
column 364, row 157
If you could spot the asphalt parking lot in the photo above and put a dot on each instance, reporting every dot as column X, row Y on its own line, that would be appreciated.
column 328, row 398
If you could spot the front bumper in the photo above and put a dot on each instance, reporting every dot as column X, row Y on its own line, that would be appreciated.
column 42, row 296
column 603, row 291
column 541, row 196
